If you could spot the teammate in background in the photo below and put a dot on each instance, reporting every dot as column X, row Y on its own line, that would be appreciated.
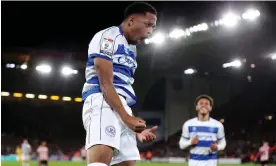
column 204, row 134
column 83, row 153
column 111, row 128
column 18, row 152
column 26, row 152
column 43, row 154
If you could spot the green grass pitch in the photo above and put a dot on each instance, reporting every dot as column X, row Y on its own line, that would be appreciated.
column 66, row 163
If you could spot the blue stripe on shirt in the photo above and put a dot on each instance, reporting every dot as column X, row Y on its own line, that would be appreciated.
column 203, row 143
column 116, row 68
column 122, row 50
column 97, row 89
column 210, row 156
column 100, row 56
column 204, row 129
column 116, row 80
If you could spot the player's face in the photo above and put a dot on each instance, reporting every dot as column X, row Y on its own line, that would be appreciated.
column 203, row 106
column 141, row 27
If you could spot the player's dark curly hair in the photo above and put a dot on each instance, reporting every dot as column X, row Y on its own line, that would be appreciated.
column 211, row 100
column 139, row 8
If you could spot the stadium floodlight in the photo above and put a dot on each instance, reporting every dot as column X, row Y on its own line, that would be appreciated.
column 230, row 20
column 273, row 56
column 177, row 33
column 189, row 71
column 10, row 65
column 17, row 94
column 235, row 63
column 199, row 27
column 44, row 68
column 187, row 32
column 30, row 96
column 24, row 67
column 203, row 26
column 158, row 38
column 251, row 14
column 78, row 99
column 42, row 96
column 65, row 98
column 54, row 97
column 66, row 70
column 147, row 41
column 5, row 94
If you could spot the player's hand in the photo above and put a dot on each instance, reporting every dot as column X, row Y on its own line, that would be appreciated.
column 214, row 147
column 134, row 123
column 195, row 140
column 147, row 135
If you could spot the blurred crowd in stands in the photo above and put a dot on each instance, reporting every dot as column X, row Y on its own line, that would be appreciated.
column 239, row 145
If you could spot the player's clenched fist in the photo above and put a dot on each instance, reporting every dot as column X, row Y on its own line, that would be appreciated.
column 134, row 123
column 214, row 147
column 195, row 140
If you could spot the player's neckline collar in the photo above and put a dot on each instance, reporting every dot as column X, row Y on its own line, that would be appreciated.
column 203, row 121
column 121, row 30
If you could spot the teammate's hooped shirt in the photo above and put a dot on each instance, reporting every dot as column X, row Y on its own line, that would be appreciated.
column 208, row 132
column 110, row 44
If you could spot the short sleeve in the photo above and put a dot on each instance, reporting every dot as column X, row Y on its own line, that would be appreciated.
column 185, row 131
column 102, row 45
column 220, row 134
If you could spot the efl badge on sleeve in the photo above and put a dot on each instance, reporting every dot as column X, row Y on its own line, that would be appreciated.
column 107, row 46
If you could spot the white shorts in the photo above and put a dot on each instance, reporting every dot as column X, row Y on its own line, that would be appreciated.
column 104, row 126
column 25, row 157
column 203, row 163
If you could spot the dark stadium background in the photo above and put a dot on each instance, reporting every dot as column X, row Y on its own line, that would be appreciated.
column 59, row 33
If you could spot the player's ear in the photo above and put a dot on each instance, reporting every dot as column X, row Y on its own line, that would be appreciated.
column 131, row 20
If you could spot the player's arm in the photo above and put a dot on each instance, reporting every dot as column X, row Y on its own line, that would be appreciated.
column 185, row 140
column 258, row 155
column 221, row 143
column 104, row 68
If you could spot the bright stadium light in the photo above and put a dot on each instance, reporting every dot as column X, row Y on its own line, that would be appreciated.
column 230, row 20
column 30, row 96
column 10, row 65
column 188, row 32
column 251, row 14
column 42, row 96
column 147, row 41
column 17, row 94
column 78, row 99
column 44, row 68
column 203, row 26
column 24, row 67
column 54, row 97
column 158, row 38
column 177, row 33
column 273, row 56
column 235, row 63
column 189, row 71
column 65, row 98
column 5, row 94
column 68, row 71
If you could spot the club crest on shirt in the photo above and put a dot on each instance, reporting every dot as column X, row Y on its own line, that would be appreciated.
column 110, row 131
column 107, row 46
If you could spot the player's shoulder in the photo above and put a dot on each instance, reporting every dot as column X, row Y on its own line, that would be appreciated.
column 190, row 121
column 216, row 122
column 111, row 32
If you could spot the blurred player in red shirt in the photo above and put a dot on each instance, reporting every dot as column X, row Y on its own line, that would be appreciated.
column 264, row 153
column 43, row 154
